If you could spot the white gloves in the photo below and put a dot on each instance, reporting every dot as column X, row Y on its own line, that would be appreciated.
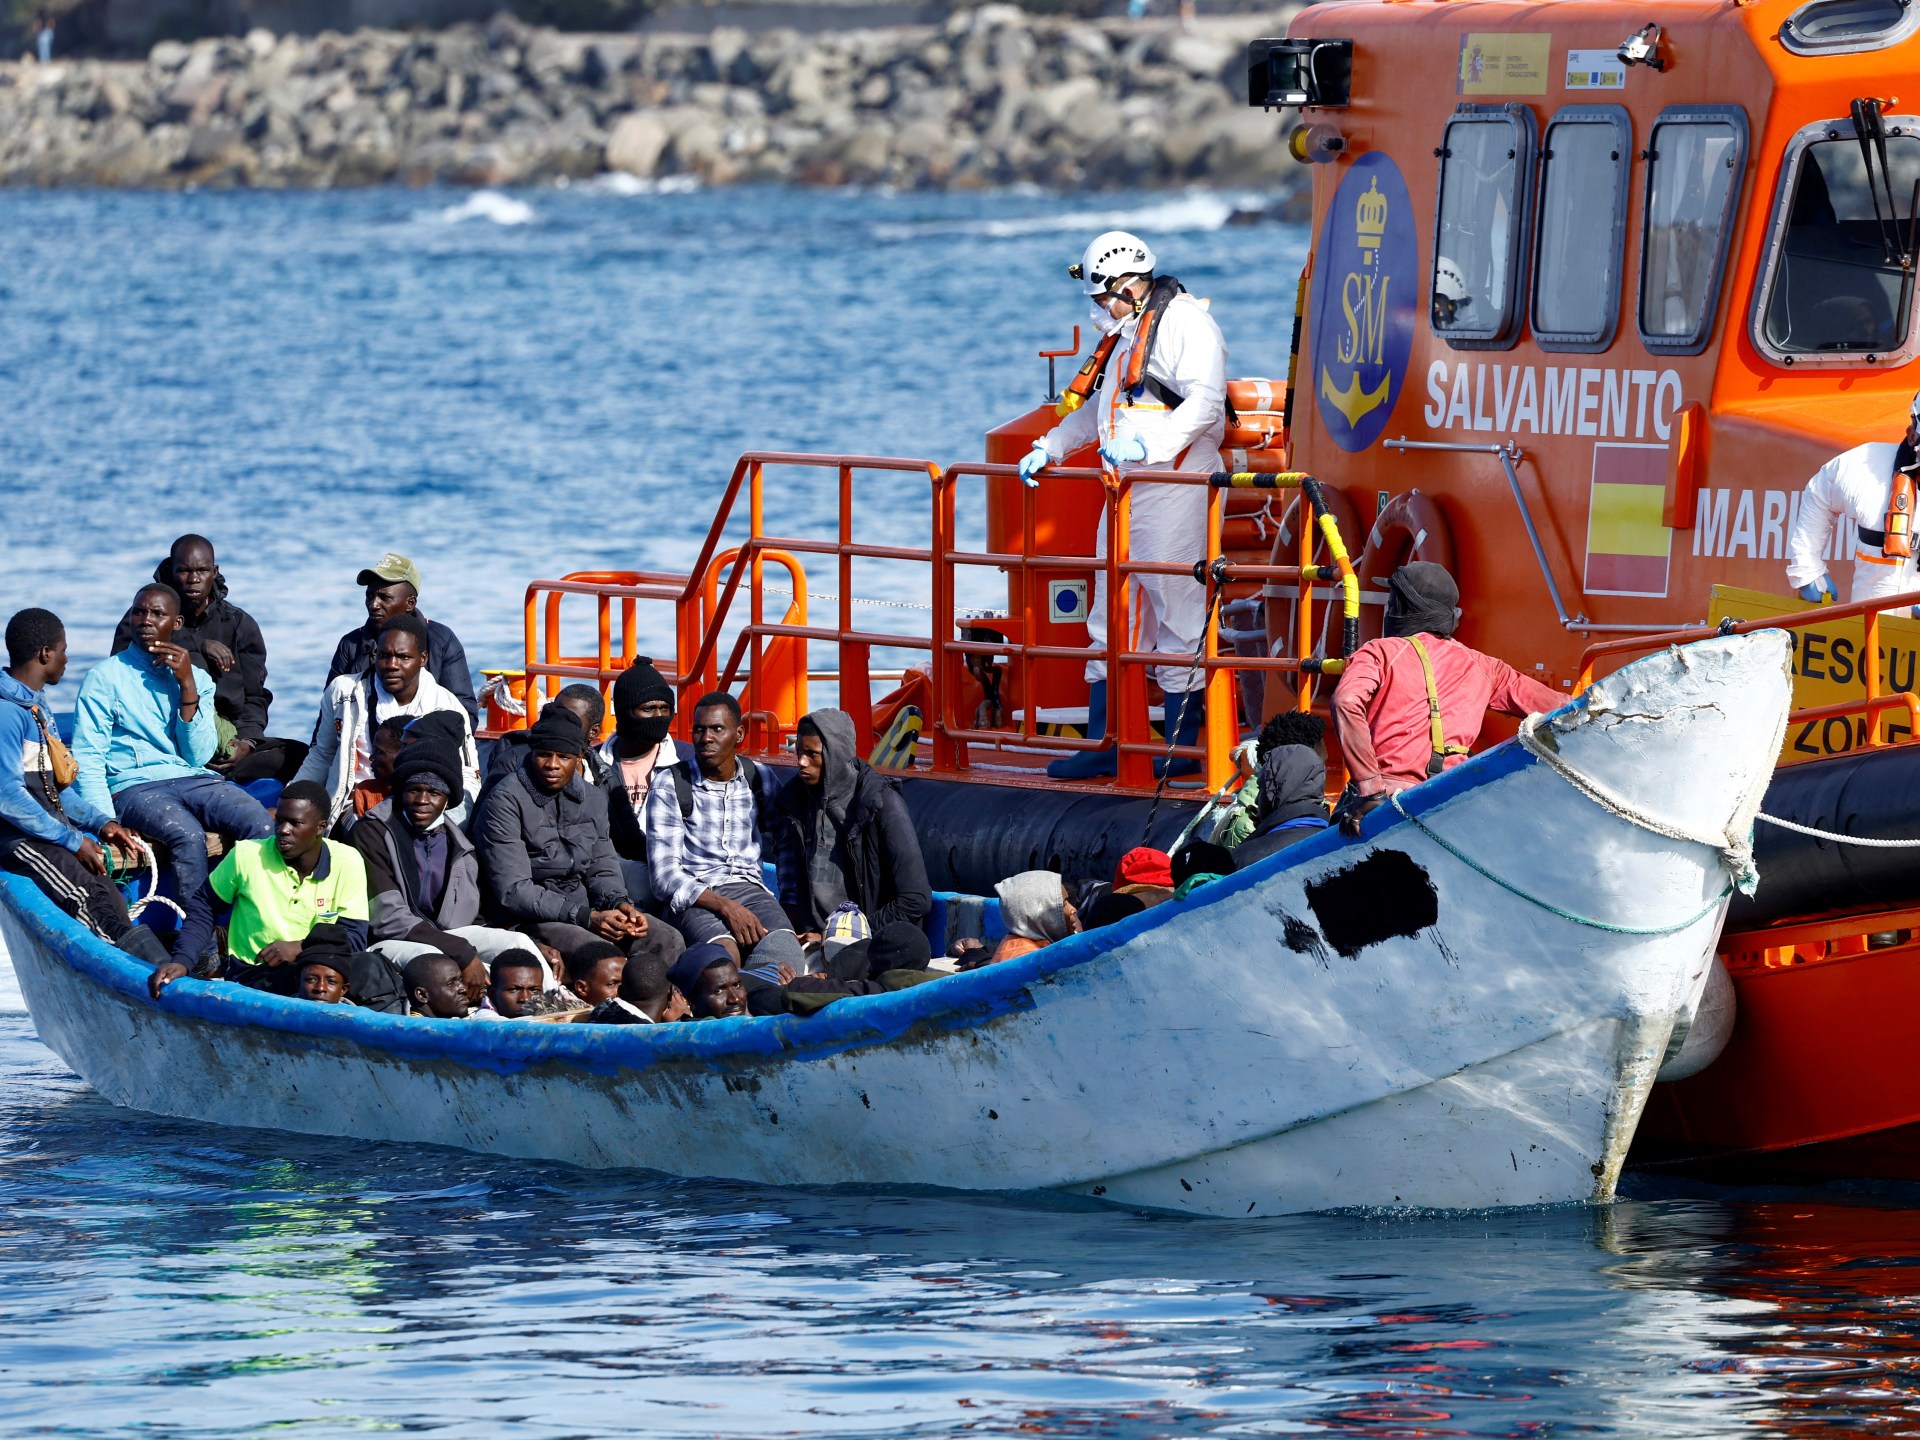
column 1033, row 462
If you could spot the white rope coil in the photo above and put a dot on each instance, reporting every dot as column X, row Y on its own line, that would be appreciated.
column 153, row 895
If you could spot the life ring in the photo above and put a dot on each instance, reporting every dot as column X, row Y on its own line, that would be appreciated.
column 1410, row 527
column 1282, row 600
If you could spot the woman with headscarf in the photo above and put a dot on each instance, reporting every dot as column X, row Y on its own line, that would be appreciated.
column 842, row 836
column 1411, row 703
column 1035, row 911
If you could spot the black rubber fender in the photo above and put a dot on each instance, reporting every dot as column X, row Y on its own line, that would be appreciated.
column 974, row 835
column 1875, row 794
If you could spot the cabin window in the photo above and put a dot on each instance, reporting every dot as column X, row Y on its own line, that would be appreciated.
column 1583, row 228
column 1694, row 162
column 1838, row 282
column 1479, row 247
column 1841, row 27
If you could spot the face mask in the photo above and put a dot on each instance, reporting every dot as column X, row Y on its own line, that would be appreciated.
column 646, row 730
column 1102, row 321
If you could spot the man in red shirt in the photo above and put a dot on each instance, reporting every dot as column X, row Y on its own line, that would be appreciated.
column 1411, row 703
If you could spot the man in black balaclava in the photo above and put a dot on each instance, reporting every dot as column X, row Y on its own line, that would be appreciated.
column 1384, row 709
column 637, row 756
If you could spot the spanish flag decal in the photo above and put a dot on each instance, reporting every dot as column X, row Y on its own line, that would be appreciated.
column 1627, row 546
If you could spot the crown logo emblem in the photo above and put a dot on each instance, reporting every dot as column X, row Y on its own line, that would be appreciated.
column 1371, row 220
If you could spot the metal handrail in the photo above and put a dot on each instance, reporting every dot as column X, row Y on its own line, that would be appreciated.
column 1869, row 705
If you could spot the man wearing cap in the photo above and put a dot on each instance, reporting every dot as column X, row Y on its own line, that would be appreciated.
column 423, row 876
column 393, row 588
column 1411, row 703
column 1866, row 494
column 356, row 705
column 546, row 860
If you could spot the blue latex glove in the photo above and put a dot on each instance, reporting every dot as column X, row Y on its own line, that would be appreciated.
column 1032, row 463
column 1820, row 591
column 1123, row 450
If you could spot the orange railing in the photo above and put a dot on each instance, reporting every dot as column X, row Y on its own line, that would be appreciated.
column 1869, row 706
column 704, row 601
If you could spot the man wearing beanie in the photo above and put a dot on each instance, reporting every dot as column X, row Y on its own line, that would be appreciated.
column 546, row 858
column 1411, row 703
column 423, row 876
column 636, row 755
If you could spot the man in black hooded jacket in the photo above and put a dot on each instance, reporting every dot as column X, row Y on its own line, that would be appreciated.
column 842, row 835
column 224, row 640
column 1292, row 774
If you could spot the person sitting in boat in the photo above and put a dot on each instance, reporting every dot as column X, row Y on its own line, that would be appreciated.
column 53, row 839
column 1197, row 863
column 515, row 987
column 1157, row 399
column 593, row 974
column 326, row 963
column 434, row 988
column 546, row 859
column 399, row 686
column 708, row 974
column 1411, row 703
column 647, row 996
column 583, row 702
column 423, row 873
column 226, row 642
column 1145, row 873
column 639, row 752
column 388, row 738
column 841, row 835
column 393, row 588
column 143, row 733
column 1290, row 802
column 1035, row 911
column 1110, row 909
column 703, row 847
column 278, row 889
column 1870, row 490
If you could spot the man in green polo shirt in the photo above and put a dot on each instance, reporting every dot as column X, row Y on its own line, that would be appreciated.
column 279, row 889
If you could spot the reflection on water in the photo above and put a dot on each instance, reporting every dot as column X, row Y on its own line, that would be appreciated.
column 169, row 1279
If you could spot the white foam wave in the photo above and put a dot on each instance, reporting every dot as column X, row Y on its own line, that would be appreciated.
column 1185, row 213
column 618, row 182
column 490, row 205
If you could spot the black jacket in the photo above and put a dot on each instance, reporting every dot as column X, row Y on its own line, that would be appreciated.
column 240, row 696
column 629, row 834
column 545, row 857
column 884, row 873
column 446, row 660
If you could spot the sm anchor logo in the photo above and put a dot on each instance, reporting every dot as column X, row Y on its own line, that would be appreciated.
column 1366, row 280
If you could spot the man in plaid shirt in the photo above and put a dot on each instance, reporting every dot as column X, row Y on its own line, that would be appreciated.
column 703, row 850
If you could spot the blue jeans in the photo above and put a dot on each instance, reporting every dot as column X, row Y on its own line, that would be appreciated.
column 179, row 813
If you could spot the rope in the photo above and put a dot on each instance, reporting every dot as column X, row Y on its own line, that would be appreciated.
column 1838, row 838
column 1734, row 842
column 823, row 596
column 153, row 886
column 1548, row 905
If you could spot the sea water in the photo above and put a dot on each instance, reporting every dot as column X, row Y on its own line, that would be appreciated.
column 508, row 386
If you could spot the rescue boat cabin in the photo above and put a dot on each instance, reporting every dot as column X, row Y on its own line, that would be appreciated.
column 1591, row 293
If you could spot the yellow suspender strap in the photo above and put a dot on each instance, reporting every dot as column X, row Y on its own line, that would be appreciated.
column 1436, row 732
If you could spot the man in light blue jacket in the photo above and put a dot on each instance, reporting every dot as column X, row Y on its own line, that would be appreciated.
column 142, row 737
column 45, row 835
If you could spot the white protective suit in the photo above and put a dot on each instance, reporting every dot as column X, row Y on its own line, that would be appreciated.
column 1169, row 521
column 1851, row 489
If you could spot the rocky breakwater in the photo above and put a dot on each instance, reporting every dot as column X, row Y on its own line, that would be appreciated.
column 995, row 96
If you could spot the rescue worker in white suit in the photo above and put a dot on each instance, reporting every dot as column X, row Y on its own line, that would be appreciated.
column 1159, row 402
column 1870, row 490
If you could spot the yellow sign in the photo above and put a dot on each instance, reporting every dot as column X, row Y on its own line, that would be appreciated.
column 1826, row 670
column 1494, row 64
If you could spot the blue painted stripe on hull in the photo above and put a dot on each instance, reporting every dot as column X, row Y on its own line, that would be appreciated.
column 956, row 1002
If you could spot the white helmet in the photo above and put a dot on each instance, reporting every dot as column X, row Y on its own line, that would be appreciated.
column 1448, row 282
column 1109, row 259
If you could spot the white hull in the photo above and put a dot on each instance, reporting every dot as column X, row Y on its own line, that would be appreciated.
column 1220, row 1056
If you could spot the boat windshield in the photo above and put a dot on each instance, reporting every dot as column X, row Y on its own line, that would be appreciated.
column 1841, row 280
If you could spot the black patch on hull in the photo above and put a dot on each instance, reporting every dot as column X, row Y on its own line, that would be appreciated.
column 1381, row 897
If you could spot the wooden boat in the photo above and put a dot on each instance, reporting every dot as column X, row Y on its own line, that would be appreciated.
column 1465, row 1007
